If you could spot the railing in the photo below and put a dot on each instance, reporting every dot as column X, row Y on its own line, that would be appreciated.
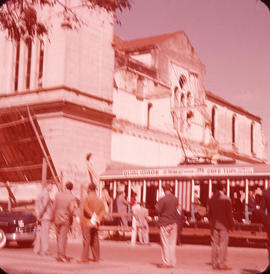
column 198, row 229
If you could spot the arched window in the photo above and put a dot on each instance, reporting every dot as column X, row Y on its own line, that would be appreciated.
column 40, row 65
column 182, row 80
column 252, row 137
column 149, row 106
column 182, row 99
column 233, row 129
column 213, row 123
column 176, row 97
column 189, row 98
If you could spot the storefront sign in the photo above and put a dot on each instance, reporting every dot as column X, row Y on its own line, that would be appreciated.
column 194, row 171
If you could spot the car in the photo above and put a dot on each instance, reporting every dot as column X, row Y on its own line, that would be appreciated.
column 17, row 226
column 16, row 223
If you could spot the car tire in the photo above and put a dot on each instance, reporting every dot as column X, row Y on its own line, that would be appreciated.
column 25, row 244
column 3, row 239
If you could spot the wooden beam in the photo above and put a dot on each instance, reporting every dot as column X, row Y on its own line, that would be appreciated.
column 14, row 123
column 20, row 168
column 21, row 141
column 43, row 150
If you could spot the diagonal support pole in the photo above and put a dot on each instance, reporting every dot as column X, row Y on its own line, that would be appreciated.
column 43, row 149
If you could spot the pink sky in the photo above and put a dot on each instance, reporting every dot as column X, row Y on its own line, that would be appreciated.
column 232, row 39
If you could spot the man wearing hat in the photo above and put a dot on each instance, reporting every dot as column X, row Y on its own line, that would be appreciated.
column 167, row 211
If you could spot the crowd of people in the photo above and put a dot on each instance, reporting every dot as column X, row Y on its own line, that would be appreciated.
column 65, row 207
column 94, row 209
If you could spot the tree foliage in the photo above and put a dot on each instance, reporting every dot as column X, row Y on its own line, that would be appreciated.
column 21, row 20
column 267, row 3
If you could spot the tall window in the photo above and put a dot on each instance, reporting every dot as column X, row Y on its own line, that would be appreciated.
column 252, row 138
column 40, row 65
column 233, row 129
column 182, row 100
column 149, row 106
column 17, row 65
column 176, row 97
column 182, row 80
column 29, row 60
column 213, row 124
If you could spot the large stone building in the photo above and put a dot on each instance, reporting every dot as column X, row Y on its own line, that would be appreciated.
column 139, row 102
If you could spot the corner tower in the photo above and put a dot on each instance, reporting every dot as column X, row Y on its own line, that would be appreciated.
column 66, row 83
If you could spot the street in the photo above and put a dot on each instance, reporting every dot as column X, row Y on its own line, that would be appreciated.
column 121, row 257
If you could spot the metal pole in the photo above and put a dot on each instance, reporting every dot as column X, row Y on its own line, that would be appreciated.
column 114, row 189
column 247, row 221
column 210, row 188
column 144, row 191
column 193, row 219
column 159, row 189
column 129, row 191
column 228, row 187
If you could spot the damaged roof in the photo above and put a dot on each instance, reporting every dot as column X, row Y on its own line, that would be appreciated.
column 143, row 43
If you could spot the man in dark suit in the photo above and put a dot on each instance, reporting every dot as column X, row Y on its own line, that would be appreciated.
column 63, row 211
column 266, row 208
column 93, row 213
column 167, row 211
column 221, row 221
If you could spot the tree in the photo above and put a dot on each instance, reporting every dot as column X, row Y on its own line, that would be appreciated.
column 267, row 3
column 21, row 20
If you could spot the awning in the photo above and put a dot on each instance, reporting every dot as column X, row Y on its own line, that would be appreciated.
column 196, row 171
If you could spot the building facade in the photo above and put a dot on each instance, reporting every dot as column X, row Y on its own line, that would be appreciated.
column 165, row 114
column 140, row 102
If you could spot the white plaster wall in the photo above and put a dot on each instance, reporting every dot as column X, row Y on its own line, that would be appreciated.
column 69, row 141
column 144, row 58
column 89, row 56
column 160, row 115
column 139, row 151
column 126, row 106
column 223, row 132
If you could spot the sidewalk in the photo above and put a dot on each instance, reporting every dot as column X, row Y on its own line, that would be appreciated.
column 121, row 258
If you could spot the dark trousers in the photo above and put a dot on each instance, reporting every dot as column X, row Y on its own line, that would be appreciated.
column 90, row 239
column 61, row 236
column 268, row 245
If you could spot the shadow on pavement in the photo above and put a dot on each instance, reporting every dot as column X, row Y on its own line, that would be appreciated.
column 251, row 271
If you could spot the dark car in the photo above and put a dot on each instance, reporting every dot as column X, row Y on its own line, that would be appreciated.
column 16, row 223
column 17, row 226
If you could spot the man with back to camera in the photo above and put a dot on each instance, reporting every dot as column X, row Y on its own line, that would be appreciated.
column 93, row 213
column 221, row 221
column 167, row 211
column 63, row 211
column 43, row 212
column 266, row 219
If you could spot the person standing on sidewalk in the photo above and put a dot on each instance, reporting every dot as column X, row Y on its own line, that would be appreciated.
column 140, row 224
column 93, row 211
column 135, row 206
column 266, row 219
column 221, row 221
column 167, row 211
column 122, row 206
column 63, row 211
column 43, row 212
